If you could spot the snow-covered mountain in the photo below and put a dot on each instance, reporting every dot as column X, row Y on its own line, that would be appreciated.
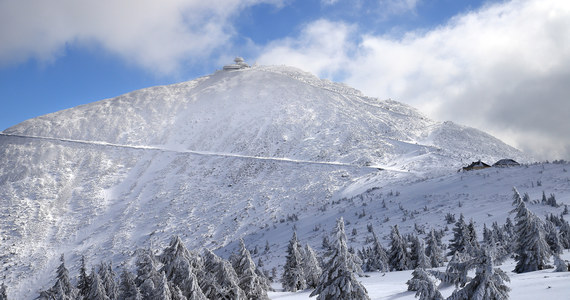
column 228, row 155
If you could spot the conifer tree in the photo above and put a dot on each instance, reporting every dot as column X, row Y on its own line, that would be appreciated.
column 489, row 282
column 423, row 261
column 192, row 288
column 220, row 281
column 3, row 294
column 63, row 285
column 509, row 228
column 418, row 258
column 311, row 267
column 460, row 240
column 180, row 267
column 532, row 251
column 128, row 289
column 434, row 250
column 510, row 238
column 293, row 273
column 423, row 285
column 377, row 259
column 338, row 281
column 472, row 242
column 83, row 280
column 457, row 269
column 175, row 292
column 147, row 275
column 325, row 243
column 62, row 289
column 552, row 238
column 498, row 233
column 565, row 234
column 108, row 280
column 559, row 264
column 398, row 255
column 96, row 289
column 487, row 235
column 250, row 282
column 162, row 291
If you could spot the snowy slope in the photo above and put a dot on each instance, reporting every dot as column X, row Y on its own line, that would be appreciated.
column 221, row 157
column 271, row 112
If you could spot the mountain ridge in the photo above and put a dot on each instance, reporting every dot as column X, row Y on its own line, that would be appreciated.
column 147, row 117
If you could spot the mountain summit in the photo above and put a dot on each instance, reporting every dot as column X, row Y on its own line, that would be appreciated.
column 211, row 160
column 277, row 112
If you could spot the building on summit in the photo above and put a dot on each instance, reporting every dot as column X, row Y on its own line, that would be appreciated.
column 239, row 63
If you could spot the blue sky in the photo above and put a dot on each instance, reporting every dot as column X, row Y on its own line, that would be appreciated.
column 500, row 66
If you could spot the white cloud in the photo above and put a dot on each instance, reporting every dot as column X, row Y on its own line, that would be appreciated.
column 397, row 7
column 504, row 69
column 157, row 35
column 328, row 2
column 322, row 45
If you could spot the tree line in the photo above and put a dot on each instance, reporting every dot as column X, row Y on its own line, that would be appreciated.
column 180, row 274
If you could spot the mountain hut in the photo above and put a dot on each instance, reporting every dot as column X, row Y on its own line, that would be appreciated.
column 505, row 163
column 477, row 165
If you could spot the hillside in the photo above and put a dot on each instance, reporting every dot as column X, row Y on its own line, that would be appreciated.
column 224, row 156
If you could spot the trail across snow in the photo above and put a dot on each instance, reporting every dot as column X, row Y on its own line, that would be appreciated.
column 205, row 153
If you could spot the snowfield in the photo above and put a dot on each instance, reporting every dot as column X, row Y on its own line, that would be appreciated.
column 249, row 154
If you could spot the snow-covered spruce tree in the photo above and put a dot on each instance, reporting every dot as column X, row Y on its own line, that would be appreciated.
column 424, row 286
column 162, row 291
column 219, row 281
column 503, row 242
column 338, row 281
column 128, row 289
column 108, row 280
column 96, row 288
column 488, row 284
column 398, row 255
column 434, row 250
column 487, row 235
column 62, row 289
column 473, row 244
column 83, row 279
column 418, row 258
column 565, row 234
column 63, row 284
column 3, row 294
column 293, row 273
column 376, row 258
column 496, row 249
column 559, row 264
column 509, row 228
column 254, row 286
column 311, row 267
column 192, row 288
column 461, row 238
column 175, row 292
column 456, row 271
column 532, row 251
column 147, row 275
column 498, row 233
column 552, row 237
column 180, row 267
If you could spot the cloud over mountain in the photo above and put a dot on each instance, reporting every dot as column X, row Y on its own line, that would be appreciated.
column 501, row 68
column 159, row 36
